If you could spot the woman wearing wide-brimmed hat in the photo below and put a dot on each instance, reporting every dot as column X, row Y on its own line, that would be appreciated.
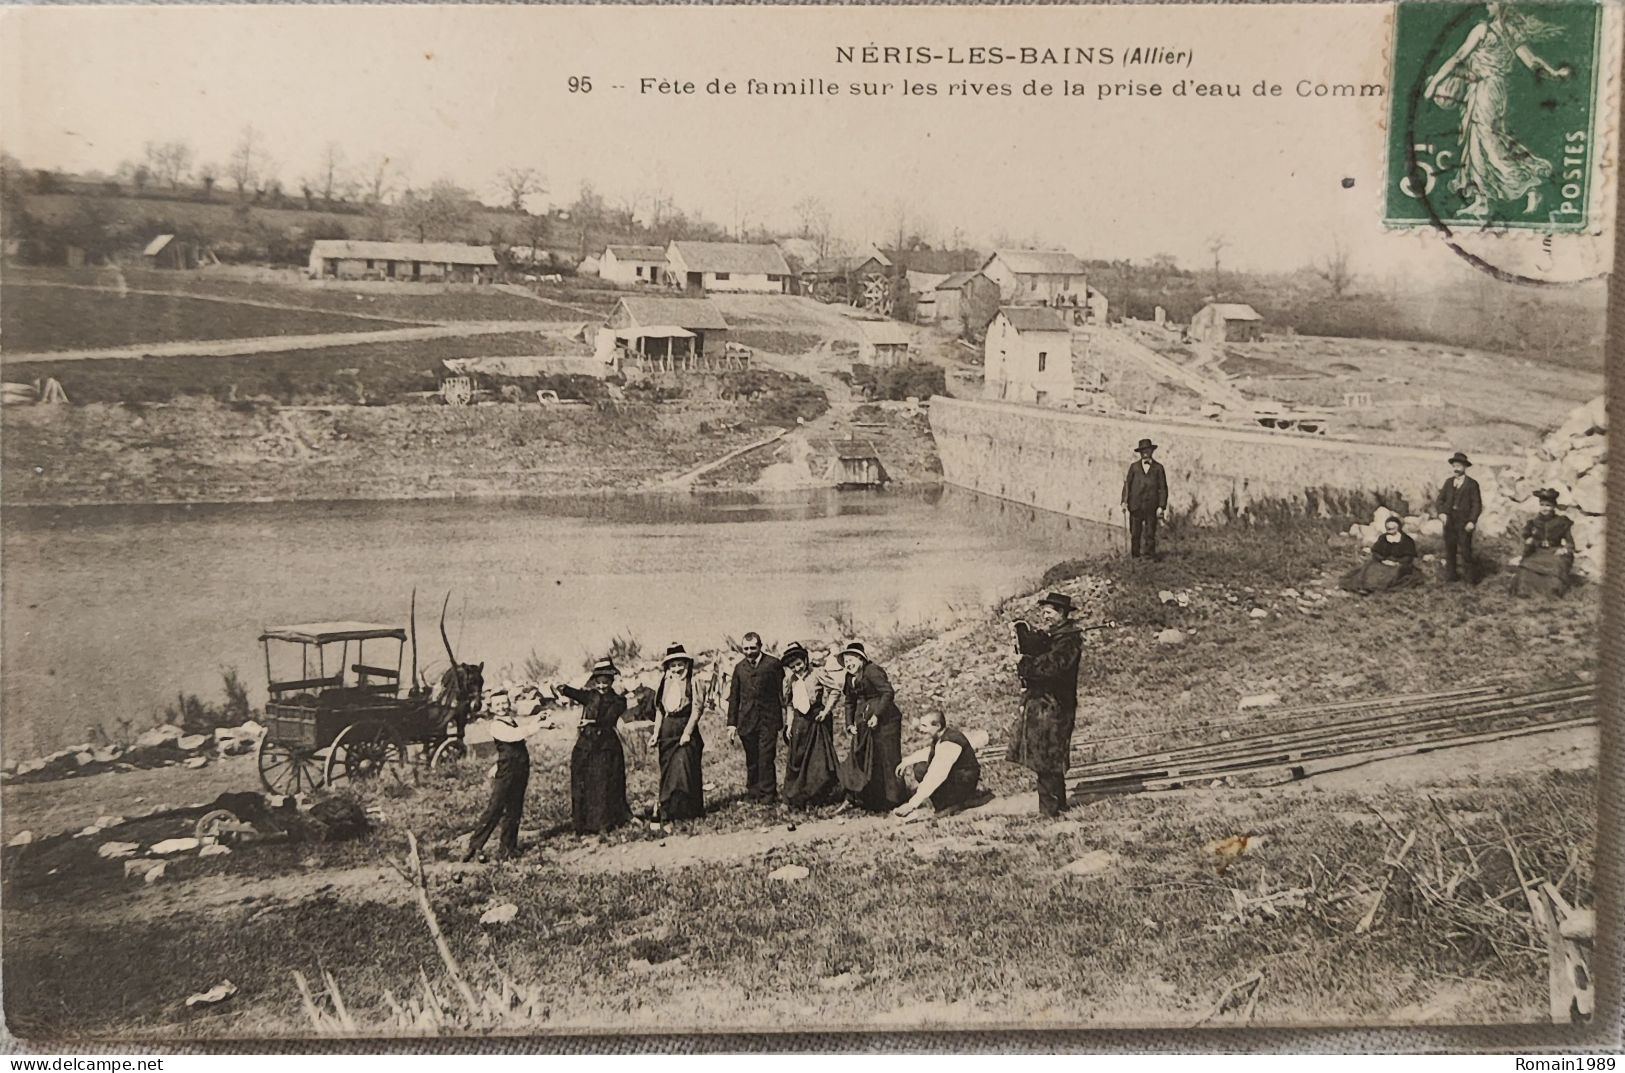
column 1548, row 551
column 677, row 737
column 810, row 776
column 869, row 772
column 597, row 763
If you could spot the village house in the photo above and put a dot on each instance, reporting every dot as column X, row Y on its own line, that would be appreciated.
column 884, row 343
column 703, row 267
column 1038, row 277
column 1227, row 322
column 1027, row 356
column 669, row 333
column 632, row 264
column 964, row 296
column 417, row 262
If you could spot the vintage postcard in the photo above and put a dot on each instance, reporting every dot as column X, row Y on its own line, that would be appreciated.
column 549, row 520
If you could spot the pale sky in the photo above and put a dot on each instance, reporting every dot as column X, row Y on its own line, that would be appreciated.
column 462, row 92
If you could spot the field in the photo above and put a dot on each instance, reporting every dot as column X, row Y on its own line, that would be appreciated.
column 41, row 318
column 962, row 922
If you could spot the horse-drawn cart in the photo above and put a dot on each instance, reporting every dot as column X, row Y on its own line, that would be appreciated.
column 345, row 719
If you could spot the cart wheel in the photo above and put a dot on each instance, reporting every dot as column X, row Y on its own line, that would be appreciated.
column 361, row 751
column 210, row 824
column 288, row 769
column 447, row 753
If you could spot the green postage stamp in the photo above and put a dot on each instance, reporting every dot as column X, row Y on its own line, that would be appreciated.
column 1493, row 121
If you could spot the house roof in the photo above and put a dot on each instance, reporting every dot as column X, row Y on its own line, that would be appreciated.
column 453, row 253
column 656, row 254
column 959, row 280
column 934, row 262
column 743, row 258
column 1033, row 319
column 157, row 244
column 691, row 313
column 1039, row 262
column 1232, row 311
column 920, row 282
column 885, row 333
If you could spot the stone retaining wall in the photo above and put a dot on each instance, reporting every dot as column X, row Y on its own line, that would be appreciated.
column 1073, row 463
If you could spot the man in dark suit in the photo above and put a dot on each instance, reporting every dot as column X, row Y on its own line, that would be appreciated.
column 756, row 715
column 1145, row 496
column 1459, row 505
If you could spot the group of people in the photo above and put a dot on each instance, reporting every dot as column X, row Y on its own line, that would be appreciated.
column 1544, row 568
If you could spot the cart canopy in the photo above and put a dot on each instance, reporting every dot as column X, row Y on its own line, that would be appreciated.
column 320, row 633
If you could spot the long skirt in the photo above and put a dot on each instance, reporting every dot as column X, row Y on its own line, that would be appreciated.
column 1373, row 576
column 682, row 785
column 869, row 773
column 1543, row 572
column 598, row 781
column 810, row 776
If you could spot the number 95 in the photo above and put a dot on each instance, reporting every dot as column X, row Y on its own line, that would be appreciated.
column 580, row 84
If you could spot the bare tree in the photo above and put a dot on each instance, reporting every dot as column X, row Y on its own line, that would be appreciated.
column 1334, row 269
column 519, row 184
column 169, row 162
column 813, row 216
column 247, row 161
column 208, row 174
column 332, row 165
column 444, row 212
column 379, row 176
column 1216, row 245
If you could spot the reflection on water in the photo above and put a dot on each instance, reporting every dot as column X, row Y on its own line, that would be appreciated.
column 110, row 611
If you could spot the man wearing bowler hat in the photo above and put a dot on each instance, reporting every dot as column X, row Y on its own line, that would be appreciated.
column 1041, row 738
column 1145, row 496
column 1459, row 505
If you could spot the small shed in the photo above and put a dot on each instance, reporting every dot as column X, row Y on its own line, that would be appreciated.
column 885, row 343
column 1227, row 322
column 1027, row 356
column 855, row 463
column 670, row 333
column 632, row 264
column 439, row 262
column 167, row 251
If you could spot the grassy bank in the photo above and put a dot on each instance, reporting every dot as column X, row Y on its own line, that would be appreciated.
column 965, row 921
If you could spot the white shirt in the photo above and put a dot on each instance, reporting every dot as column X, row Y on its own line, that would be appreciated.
column 935, row 775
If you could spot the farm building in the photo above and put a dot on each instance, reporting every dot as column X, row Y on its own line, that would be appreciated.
column 632, row 264
column 885, row 343
column 963, row 293
column 1227, row 322
column 726, row 266
column 1027, row 356
column 672, row 332
column 438, row 262
column 167, row 251
column 1038, row 277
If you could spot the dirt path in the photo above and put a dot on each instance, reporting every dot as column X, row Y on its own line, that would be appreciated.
column 1119, row 346
column 265, row 344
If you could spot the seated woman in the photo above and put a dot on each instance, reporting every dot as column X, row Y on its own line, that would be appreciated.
column 1548, row 551
column 598, row 764
column 1392, row 564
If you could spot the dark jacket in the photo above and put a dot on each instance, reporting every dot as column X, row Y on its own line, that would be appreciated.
column 1144, row 493
column 1460, row 505
column 755, row 696
column 1042, row 736
column 1402, row 551
column 1539, row 532
column 597, row 709
column 870, row 693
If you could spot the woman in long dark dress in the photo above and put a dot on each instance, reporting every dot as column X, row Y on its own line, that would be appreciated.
column 1391, row 565
column 1548, row 551
column 810, row 776
column 876, row 725
column 677, row 737
column 598, row 764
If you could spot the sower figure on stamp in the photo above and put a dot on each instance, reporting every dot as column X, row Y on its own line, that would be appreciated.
column 509, row 779
column 1041, row 738
column 1459, row 506
column 1145, row 497
column 756, row 715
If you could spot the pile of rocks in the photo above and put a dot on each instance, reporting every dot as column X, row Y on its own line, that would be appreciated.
column 160, row 746
column 1573, row 460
